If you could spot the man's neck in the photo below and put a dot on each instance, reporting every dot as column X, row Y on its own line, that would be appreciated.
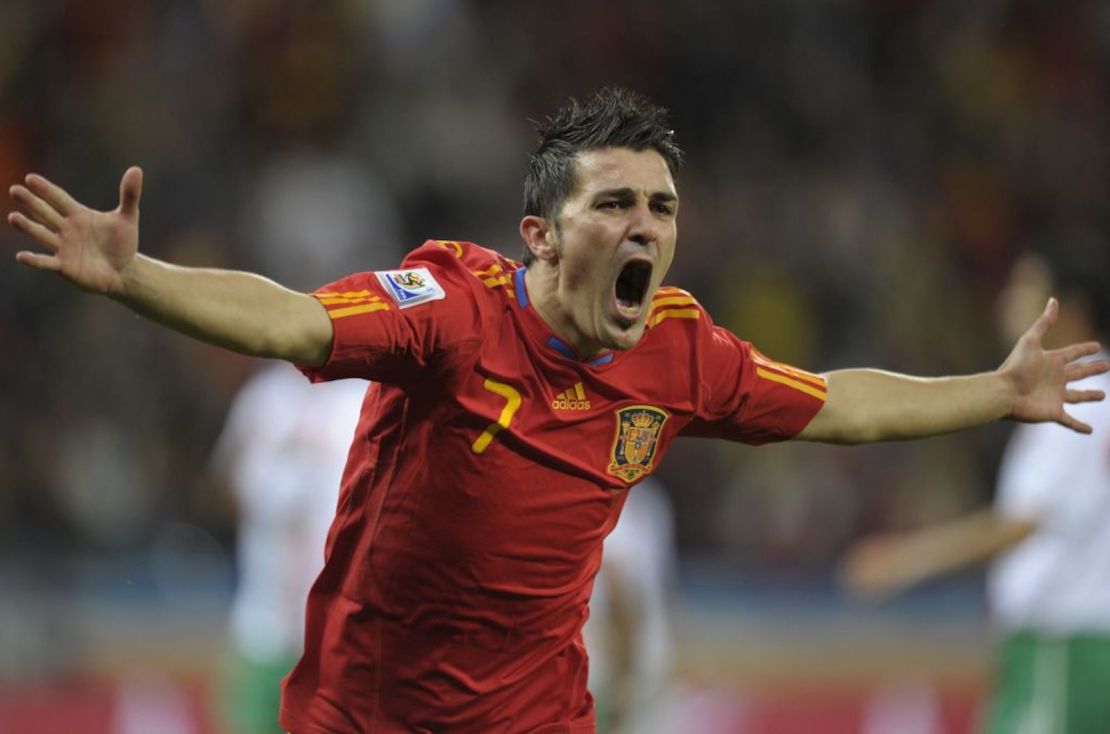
column 542, row 284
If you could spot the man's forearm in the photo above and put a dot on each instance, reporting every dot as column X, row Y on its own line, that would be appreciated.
column 871, row 405
column 965, row 541
column 886, row 564
column 240, row 311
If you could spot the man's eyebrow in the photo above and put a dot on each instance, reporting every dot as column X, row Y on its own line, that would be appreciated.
column 627, row 192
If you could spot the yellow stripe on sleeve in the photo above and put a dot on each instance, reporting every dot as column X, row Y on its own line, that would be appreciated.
column 799, row 386
column 494, row 282
column 341, row 313
column 343, row 294
column 334, row 300
column 494, row 276
column 673, row 301
column 451, row 245
column 759, row 358
column 491, row 270
column 674, row 313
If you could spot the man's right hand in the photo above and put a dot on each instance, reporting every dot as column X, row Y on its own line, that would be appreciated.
column 93, row 249
column 98, row 251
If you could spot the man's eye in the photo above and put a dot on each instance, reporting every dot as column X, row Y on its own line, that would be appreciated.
column 664, row 209
column 609, row 205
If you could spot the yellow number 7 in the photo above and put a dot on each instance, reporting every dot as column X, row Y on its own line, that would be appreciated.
column 511, row 407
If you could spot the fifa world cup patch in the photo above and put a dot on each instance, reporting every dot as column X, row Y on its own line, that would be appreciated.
column 411, row 287
column 638, row 428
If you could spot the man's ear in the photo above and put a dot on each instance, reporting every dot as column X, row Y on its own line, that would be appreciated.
column 539, row 237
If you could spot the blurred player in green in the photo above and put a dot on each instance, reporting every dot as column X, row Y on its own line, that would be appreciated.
column 281, row 452
column 1047, row 534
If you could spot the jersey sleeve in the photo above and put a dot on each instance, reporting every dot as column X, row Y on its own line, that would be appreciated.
column 396, row 326
column 746, row 397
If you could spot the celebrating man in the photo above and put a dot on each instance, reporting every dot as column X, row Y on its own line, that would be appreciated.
column 513, row 406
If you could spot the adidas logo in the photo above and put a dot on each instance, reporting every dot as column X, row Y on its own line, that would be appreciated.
column 572, row 399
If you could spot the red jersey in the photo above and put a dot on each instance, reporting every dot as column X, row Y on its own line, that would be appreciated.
column 488, row 466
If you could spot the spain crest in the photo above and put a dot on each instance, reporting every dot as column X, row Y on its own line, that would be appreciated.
column 638, row 428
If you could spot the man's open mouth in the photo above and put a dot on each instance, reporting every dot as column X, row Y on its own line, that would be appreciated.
column 631, row 288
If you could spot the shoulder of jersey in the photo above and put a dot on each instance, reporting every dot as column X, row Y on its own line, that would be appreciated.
column 490, row 270
column 673, row 308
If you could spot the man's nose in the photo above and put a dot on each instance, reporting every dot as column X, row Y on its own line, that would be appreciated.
column 643, row 229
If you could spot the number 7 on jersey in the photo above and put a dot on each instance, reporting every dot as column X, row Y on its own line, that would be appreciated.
column 512, row 405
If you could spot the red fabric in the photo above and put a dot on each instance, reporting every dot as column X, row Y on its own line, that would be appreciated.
column 456, row 583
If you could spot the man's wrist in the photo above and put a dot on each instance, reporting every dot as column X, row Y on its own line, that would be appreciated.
column 1006, row 386
column 130, row 278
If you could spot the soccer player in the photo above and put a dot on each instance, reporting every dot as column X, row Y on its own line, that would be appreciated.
column 513, row 408
column 282, row 452
column 1049, row 586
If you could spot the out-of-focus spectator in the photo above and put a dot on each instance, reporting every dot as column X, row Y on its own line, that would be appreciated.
column 282, row 451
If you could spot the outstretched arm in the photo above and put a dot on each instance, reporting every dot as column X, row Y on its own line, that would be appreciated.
column 881, row 566
column 98, row 252
column 1030, row 386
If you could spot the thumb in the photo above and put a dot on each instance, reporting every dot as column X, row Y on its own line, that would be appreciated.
column 130, row 189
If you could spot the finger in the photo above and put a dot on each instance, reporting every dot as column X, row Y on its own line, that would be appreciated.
column 1068, row 421
column 1073, row 352
column 39, row 261
column 34, row 230
column 1045, row 321
column 38, row 208
column 1082, row 370
column 1084, row 396
column 54, row 195
column 130, row 191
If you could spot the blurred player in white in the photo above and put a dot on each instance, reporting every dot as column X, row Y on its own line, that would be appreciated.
column 628, row 634
column 1049, row 531
column 282, row 451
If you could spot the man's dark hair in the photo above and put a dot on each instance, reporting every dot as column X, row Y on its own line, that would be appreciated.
column 611, row 118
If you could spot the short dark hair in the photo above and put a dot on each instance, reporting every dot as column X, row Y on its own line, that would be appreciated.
column 611, row 118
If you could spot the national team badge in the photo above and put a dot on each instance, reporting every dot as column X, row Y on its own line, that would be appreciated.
column 638, row 428
column 411, row 287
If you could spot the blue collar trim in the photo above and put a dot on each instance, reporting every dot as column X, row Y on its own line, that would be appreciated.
column 561, row 347
column 564, row 349
column 518, row 284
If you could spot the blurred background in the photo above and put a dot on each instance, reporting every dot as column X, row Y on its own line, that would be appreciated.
column 860, row 176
